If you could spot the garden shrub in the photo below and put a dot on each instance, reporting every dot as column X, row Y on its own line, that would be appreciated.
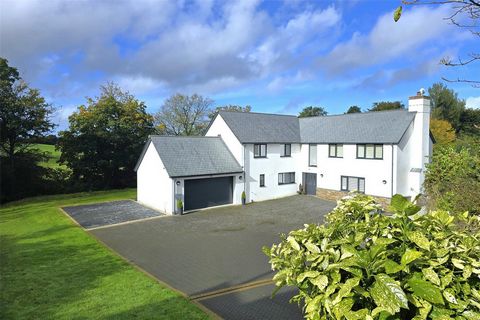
column 363, row 264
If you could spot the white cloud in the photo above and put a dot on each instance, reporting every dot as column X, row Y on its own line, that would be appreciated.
column 389, row 40
column 473, row 102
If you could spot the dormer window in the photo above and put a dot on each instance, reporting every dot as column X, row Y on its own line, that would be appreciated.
column 335, row 150
column 286, row 150
column 259, row 150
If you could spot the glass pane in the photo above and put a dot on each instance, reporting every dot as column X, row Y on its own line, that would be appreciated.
column 256, row 150
column 282, row 150
column 344, row 183
column 313, row 155
column 361, row 186
column 361, row 151
column 352, row 184
column 288, row 149
column 332, row 150
column 263, row 150
column 369, row 151
column 340, row 150
column 293, row 177
column 379, row 151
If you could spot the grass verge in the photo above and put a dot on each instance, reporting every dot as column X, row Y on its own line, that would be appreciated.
column 52, row 269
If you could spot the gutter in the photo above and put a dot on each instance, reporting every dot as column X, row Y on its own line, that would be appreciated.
column 391, row 182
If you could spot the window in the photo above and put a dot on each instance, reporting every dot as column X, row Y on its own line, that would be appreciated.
column 259, row 150
column 352, row 183
column 312, row 155
column 335, row 150
column 370, row 151
column 286, row 178
column 262, row 180
column 286, row 150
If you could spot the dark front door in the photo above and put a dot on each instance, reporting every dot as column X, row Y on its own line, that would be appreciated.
column 310, row 183
column 203, row 193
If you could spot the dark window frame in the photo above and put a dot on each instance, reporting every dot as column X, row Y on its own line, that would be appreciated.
column 375, row 145
column 286, row 174
column 336, row 150
column 262, row 180
column 260, row 150
column 285, row 155
column 348, row 184
column 316, row 156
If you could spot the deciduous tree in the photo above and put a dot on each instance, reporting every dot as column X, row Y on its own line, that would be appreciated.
column 229, row 107
column 442, row 131
column 446, row 105
column 105, row 139
column 183, row 115
column 312, row 112
column 354, row 109
column 386, row 105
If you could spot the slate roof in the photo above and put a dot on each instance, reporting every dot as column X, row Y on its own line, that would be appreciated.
column 367, row 127
column 251, row 127
column 193, row 156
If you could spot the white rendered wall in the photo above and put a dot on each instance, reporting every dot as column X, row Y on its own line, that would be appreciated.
column 373, row 170
column 271, row 167
column 179, row 190
column 402, row 172
column 154, row 186
column 220, row 127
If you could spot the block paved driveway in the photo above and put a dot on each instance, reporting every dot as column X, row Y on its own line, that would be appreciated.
column 215, row 256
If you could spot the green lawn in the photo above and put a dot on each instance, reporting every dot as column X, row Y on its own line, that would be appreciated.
column 54, row 155
column 52, row 269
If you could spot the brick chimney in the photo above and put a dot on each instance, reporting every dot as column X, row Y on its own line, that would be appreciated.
column 421, row 149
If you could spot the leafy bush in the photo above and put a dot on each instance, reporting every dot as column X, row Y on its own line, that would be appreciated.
column 363, row 264
column 452, row 180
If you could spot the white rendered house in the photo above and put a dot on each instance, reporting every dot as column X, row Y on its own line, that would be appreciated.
column 268, row 156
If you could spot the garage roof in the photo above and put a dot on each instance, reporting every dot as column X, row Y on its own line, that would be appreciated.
column 194, row 156
column 367, row 127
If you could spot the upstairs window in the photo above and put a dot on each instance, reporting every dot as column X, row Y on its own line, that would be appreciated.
column 286, row 178
column 286, row 150
column 259, row 150
column 335, row 150
column 312, row 155
column 370, row 151
column 262, row 180
column 352, row 184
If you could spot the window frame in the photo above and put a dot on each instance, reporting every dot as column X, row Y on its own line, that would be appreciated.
column 336, row 145
column 309, row 155
column 260, row 150
column 284, row 153
column 348, row 183
column 284, row 174
column 262, row 180
column 374, row 145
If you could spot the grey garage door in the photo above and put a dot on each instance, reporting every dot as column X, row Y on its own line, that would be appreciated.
column 203, row 193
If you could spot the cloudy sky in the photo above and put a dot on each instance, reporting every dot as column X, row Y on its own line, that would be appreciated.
column 277, row 56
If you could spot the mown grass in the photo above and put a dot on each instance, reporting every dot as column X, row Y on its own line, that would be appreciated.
column 52, row 269
column 53, row 154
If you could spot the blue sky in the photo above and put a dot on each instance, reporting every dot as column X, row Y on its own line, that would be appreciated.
column 277, row 56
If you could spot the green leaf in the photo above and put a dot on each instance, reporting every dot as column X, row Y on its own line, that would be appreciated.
column 392, row 267
column 291, row 240
column 397, row 14
column 432, row 276
column 398, row 202
column 410, row 255
column 425, row 290
column 467, row 272
column 345, row 289
column 387, row 294
column 458, row 263
column 312, row 247
column 308, row 274
column 321, row 281
column 471, row 315
column 419, row 239
column 450, row 296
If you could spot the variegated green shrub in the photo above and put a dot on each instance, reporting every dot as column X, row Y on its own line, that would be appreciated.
column 363, row 264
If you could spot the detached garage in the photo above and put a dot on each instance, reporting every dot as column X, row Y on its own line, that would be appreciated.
column 199, row 171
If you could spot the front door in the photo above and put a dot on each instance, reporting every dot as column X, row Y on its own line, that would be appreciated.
column 309, row 181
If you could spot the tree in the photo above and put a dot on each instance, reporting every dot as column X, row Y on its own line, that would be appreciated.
column 446, row 105
column 183, row 115
column 312, row 112
column 470, row 122
column 105, row 139
column 442, row 131
column 229, row 107
column 354, row 109
column 386, row 105
column 466, row 14
column 24, row 114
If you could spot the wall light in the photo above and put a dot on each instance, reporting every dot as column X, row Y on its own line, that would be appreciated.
column 321, row 175
column 240, row 177
column 384, row 181
column 177, row 183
